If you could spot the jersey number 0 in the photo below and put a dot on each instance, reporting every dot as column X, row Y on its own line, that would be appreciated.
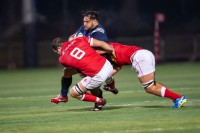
column 77, row 53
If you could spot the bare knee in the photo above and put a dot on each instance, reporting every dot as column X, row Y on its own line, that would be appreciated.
column 149, row 86
column 76, row 92
column 150, row 89
column 154, row 89
column 73, row 93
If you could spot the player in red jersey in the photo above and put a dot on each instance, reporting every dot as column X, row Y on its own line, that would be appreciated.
column 91, row 28
column 79, row 54
column 143, row 62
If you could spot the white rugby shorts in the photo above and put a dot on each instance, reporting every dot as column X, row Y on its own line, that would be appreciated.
column 99, row 78
column 143, row 61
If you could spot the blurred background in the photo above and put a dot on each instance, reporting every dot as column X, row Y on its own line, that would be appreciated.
column 168, row 28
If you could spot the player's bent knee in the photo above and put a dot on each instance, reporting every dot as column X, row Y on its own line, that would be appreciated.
column 148, row 86
column 72, row 93
column 76, row 91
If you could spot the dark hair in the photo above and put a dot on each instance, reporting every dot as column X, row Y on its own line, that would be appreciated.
column 91, row 14
column 57, row 42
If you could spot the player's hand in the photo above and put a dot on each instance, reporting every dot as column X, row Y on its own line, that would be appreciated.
column 71, row 37
column 113, row 53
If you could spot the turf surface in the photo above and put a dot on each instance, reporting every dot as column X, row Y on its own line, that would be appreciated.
column 25, row 103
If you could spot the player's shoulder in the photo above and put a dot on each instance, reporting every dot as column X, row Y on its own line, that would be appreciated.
column 99, row 28
column 80, row 32
column 82, row 39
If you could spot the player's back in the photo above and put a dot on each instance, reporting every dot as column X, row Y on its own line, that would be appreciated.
column 124, row 52
column 79, row 54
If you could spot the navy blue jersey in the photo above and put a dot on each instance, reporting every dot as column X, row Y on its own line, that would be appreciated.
column 98, row 33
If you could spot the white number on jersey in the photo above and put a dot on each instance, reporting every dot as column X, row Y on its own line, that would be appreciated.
column 77, row 53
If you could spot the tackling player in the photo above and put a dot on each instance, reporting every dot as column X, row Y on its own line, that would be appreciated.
column 143, row 61
column 79, row 54
column 91, row 28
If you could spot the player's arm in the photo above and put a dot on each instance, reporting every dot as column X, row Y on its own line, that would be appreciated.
column 116, row 68
column 71, row 37
column 103, row 46
column 99, row 36
column 100, row 51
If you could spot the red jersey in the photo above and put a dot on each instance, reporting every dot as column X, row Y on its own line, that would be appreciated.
column 124, row 52
column 79, row 54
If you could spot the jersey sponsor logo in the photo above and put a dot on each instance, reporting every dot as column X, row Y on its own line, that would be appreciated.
column 77, row 53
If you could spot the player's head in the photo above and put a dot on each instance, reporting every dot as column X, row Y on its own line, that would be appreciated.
column 57, row 44
column 90, row 19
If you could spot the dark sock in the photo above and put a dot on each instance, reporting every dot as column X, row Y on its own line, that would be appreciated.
column 100, row 94
column 97, row 92
column 65, row 84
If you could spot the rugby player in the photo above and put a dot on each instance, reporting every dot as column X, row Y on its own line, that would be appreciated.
column 91, row 28
column 143, row 61
column 79, row 54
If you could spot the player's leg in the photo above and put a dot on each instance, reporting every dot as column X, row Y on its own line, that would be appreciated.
column 144, row 63
column 66, row 81
column 79, row 91
column 99, row 93
column 110, row 82
column 110, row 85
column 96, row 92
column 89, row 83
column 153, row 87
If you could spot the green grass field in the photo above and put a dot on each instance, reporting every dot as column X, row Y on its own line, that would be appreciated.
column 25, row 103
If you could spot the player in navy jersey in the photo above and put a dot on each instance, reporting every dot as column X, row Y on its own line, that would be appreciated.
column 93, row 29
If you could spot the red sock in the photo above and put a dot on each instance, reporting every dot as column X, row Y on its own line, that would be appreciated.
column 170, row 94
column 89, row 97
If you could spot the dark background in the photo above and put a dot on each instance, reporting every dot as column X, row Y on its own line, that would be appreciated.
column 127, row 21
